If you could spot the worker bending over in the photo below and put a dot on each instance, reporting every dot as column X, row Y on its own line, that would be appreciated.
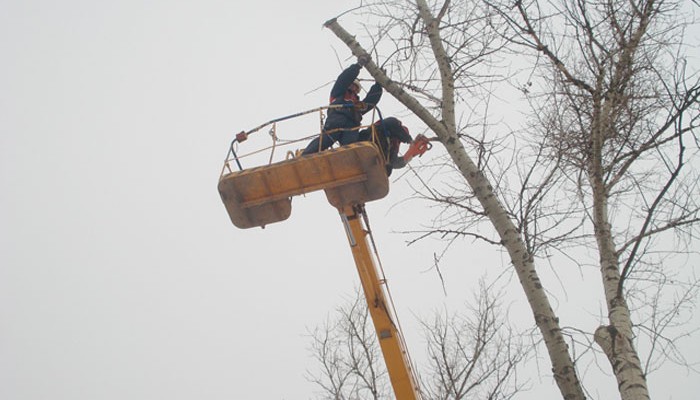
column 389, row 134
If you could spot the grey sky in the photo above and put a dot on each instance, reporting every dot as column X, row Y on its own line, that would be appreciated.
column 121, row 276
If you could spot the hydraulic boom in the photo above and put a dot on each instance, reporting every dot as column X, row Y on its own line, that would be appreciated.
column 390, row 339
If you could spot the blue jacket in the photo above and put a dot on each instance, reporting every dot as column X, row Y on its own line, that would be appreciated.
column 350, row 117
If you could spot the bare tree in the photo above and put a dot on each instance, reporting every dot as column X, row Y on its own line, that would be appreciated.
column 620, row 106
column 472, row 354
column 609, row 165
column 420, row 38
column 349, row 356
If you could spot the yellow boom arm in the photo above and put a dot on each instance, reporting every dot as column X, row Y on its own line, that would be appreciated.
column 390, row 339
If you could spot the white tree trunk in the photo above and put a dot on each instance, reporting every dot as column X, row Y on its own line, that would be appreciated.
column 616, row 339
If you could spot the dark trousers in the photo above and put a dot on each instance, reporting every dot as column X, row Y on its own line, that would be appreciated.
column 326, row 140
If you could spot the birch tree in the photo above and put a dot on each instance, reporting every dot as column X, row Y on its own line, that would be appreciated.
column 441, row 119
column 627, row 106
column 614, row 119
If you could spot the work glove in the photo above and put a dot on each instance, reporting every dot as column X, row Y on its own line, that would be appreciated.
column 360, row 105
column 363, row 60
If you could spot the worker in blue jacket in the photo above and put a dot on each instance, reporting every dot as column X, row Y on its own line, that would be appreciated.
column 342, row 124
column 388, row 135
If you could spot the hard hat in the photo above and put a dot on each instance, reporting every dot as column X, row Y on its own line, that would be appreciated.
column 357, row 83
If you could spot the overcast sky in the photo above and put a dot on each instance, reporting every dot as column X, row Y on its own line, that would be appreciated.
column 121, row 276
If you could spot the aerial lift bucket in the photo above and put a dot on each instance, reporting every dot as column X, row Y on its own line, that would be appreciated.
column 351, row 174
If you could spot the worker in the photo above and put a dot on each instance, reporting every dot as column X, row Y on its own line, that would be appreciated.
column 389, row 133
column 342, row 124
